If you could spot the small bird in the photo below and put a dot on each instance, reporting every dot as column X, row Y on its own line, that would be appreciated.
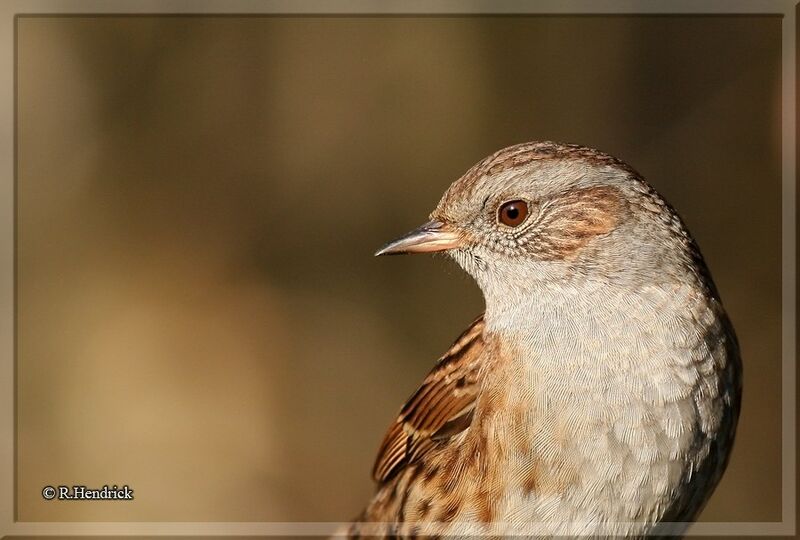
column 599, row 392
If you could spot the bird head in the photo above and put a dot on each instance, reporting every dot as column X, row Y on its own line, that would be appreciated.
column 536, row 214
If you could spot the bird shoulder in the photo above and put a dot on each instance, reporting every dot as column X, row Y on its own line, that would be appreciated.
column 441, row 408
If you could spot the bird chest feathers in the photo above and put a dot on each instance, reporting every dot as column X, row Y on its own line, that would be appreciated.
column 605, row 408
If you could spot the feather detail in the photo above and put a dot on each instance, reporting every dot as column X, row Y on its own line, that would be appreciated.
column 439, row 409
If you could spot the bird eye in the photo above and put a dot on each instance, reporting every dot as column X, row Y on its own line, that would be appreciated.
column 512, row 213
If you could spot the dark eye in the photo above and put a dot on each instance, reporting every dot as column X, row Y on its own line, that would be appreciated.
column 512, row 213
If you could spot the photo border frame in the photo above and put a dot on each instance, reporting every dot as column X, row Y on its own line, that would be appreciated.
column 11, row 10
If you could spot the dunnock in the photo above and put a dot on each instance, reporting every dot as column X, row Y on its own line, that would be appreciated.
column 597, row 395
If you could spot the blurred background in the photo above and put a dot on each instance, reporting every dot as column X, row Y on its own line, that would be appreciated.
column 199, row 313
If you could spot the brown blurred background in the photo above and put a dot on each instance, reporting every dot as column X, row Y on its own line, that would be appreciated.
column 199, row 313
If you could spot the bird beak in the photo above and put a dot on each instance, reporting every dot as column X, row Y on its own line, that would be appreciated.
column 433, row 236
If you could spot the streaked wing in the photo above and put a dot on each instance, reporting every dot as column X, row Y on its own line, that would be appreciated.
column 440, row 408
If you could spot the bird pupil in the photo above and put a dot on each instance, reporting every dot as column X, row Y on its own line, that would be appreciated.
column 512, row 212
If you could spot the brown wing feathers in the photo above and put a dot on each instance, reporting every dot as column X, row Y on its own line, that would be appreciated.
column 439, row 409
